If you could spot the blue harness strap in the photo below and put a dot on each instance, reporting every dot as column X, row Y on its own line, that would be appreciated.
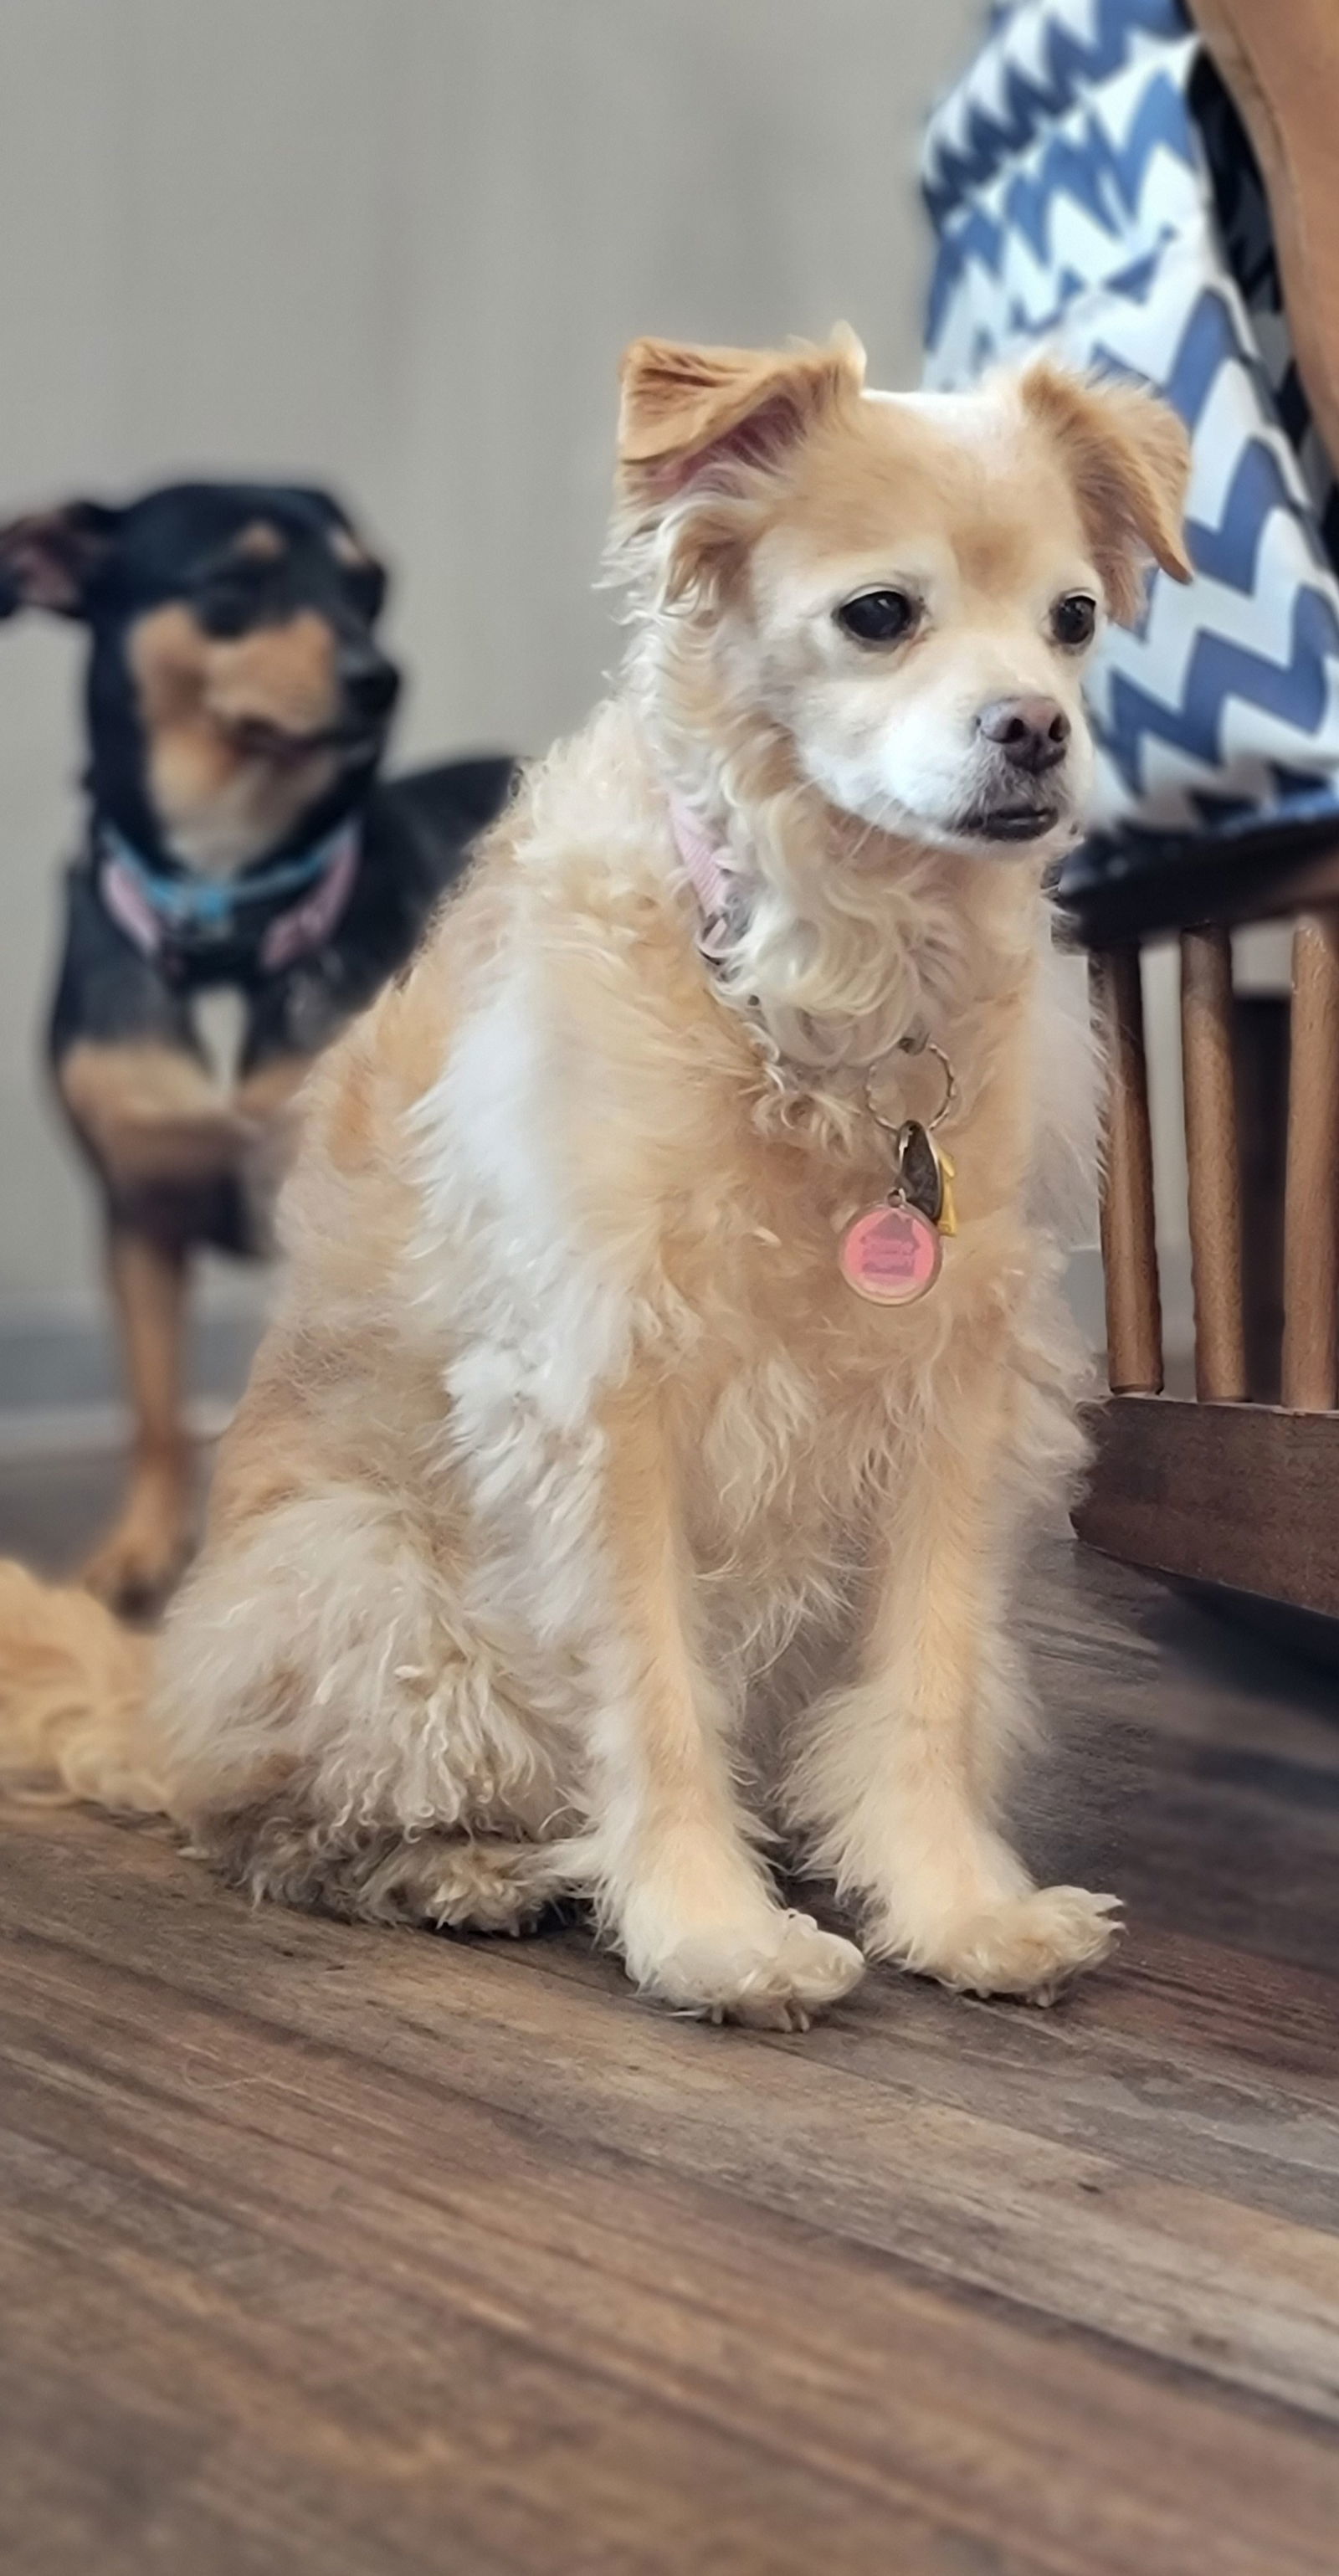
column 211, row 906
column 196, row 916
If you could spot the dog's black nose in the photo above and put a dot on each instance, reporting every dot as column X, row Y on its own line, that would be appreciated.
column 1031, row 732
column 370, row 683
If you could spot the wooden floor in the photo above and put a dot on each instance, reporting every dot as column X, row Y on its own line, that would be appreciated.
column 342, row 2250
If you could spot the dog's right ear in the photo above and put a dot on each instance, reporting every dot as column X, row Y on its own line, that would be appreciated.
column 686, row 409
column 52, row 559
column 712, row 428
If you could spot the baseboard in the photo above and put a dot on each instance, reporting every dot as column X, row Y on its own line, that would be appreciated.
column 60, row 1379
column 93, row 1430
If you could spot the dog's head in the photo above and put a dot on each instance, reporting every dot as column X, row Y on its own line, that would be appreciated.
column 237, row 695
column 903, row 588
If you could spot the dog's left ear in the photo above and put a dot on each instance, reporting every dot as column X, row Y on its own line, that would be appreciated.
column 52, row 558
column 1128, row 457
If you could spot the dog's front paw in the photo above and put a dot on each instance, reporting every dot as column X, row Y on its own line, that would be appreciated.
column 137, row 1563
column 1029, row 1945
column 773, row 1976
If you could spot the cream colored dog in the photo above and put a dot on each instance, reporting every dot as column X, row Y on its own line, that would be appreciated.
column 593, row 1517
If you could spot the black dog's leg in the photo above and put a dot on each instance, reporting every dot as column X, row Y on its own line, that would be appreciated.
column 143, row 1552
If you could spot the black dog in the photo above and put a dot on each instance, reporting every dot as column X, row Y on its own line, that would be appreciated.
column 238, row 708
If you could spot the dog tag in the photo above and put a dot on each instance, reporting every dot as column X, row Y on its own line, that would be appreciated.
column 891, row 1254
column 926, row 1175
column 920, row 1173
column 948, row 1214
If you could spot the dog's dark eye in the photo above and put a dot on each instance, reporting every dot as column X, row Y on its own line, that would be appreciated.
column 224, row 611
column 226, row 601
column 1074, row 620
column 878, row 616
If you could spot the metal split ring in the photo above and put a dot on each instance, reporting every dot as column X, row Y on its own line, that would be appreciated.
column 917, row 1046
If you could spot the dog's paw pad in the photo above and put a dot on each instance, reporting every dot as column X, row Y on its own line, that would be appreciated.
column 774, row 1977
column 1031, row 1945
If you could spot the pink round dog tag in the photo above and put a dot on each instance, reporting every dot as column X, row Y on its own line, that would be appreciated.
column 891, row 1255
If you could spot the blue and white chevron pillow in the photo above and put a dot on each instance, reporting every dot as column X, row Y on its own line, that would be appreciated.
column 1092, row 193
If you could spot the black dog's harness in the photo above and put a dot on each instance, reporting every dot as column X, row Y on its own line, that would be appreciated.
column 244, row 926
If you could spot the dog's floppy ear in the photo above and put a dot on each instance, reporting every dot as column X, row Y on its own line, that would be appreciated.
column 685, row 408
column 1128, row 457
column 704, row 427
column 52, row 558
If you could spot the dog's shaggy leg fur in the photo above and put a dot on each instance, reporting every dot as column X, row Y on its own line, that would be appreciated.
column 73, row 1688
column 899, row 1779
column 273, row 1846
column 680, row 1883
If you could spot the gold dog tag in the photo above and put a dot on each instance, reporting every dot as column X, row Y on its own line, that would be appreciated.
column 948, row 1213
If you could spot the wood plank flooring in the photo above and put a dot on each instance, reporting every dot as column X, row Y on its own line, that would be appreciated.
column 328, row 2248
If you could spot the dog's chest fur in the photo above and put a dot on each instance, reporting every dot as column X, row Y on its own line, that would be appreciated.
column 614, row 1192
column 793, row 1401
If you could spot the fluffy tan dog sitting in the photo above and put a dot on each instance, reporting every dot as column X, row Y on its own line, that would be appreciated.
column 638, row 1461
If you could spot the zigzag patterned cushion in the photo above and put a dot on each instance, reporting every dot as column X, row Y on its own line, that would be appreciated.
column 1092, row 191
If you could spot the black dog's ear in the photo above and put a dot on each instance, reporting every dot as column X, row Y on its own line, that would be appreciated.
column 52, row 559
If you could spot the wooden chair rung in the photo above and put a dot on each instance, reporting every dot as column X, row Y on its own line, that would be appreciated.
column 1129, row 1242
column 1213, row 1164
column 1311, row 1216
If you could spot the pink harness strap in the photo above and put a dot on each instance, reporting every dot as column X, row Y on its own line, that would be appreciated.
column 130, row 909
column 711, row 877
column 309, row 924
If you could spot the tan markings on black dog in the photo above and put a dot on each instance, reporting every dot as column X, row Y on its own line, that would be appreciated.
column 272, row 1090
column 269, row 1103
column 346, row 550
column 151, row 1113
column 155, row 1121
column 261, row 542
column 234, row 727
column 150, row 1540
column 286, row 676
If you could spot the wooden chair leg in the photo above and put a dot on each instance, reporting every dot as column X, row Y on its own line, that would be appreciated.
column 1213, row 1162
column 1311, row 1220
column 1129, row 1244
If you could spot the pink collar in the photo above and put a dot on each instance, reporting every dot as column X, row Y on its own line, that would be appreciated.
column 722, row 902
column 715, row 882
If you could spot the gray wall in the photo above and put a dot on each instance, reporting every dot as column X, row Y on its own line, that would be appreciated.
column 397, row 245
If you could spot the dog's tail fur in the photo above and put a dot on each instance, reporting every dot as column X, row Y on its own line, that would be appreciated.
column 74, row 1685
